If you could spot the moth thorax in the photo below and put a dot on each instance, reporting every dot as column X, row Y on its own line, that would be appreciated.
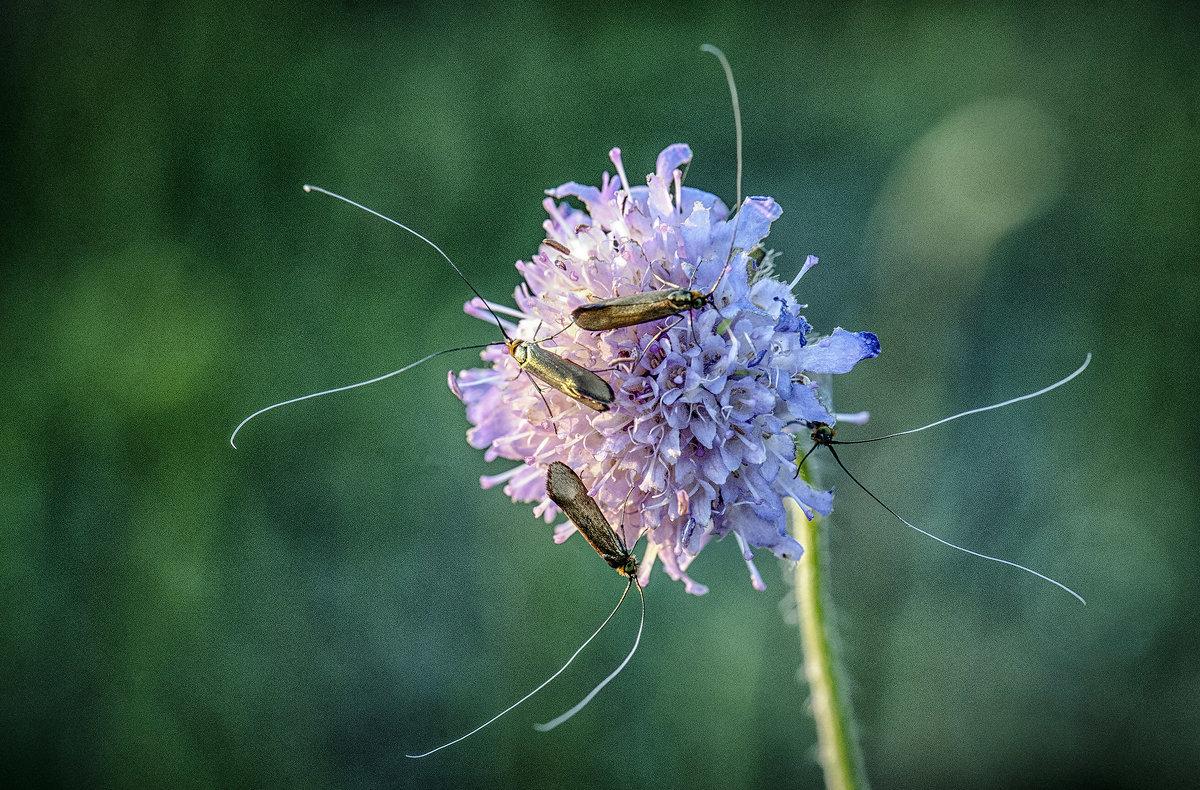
column 822, row 433
column 630, row 568
column 519, row 351
column 683, row 299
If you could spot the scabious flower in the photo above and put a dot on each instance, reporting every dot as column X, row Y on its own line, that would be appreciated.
column 698, row 441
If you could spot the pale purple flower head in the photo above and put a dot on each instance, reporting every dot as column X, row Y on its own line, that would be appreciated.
column 698, row 442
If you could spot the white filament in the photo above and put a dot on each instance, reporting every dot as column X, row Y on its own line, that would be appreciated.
column 1087, row 361
column 545, row 682
column 550, row 725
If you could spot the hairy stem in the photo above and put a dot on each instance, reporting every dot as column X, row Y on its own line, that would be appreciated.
column 829, row 700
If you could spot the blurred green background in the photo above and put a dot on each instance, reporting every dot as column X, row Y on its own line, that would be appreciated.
column 994, row 191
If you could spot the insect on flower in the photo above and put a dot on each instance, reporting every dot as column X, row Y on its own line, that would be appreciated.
column 563, row 375
column 569, row 493
column 697, row 438
column 621, row 311
column 822, row 435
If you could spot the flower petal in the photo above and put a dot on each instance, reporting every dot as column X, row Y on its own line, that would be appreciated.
column 697, row 443
column 839, row 352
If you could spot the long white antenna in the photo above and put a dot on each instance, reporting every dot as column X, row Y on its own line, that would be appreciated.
column 440, row 251
column 550, row 725
column 544, row 683
column 1087, row 361
column 737, row 112
column 402, row 226
column 241, row 424
column 948, row 543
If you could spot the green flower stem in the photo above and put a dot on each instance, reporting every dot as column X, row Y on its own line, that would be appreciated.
column 828, row 699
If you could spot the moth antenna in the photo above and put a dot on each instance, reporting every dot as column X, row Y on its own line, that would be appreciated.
column 242, row 424
column 402, row 226
column 621, row 534
column 1087, row 361
column 737, row 111
column 683, row 176
column 544, row 683
column 550, row 725
column 492, row 310
column 948, row 543
column 800, row 463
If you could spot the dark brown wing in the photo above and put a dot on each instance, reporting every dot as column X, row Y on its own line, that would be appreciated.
column 570, row 494
column 623, row 311
column 578, row 382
